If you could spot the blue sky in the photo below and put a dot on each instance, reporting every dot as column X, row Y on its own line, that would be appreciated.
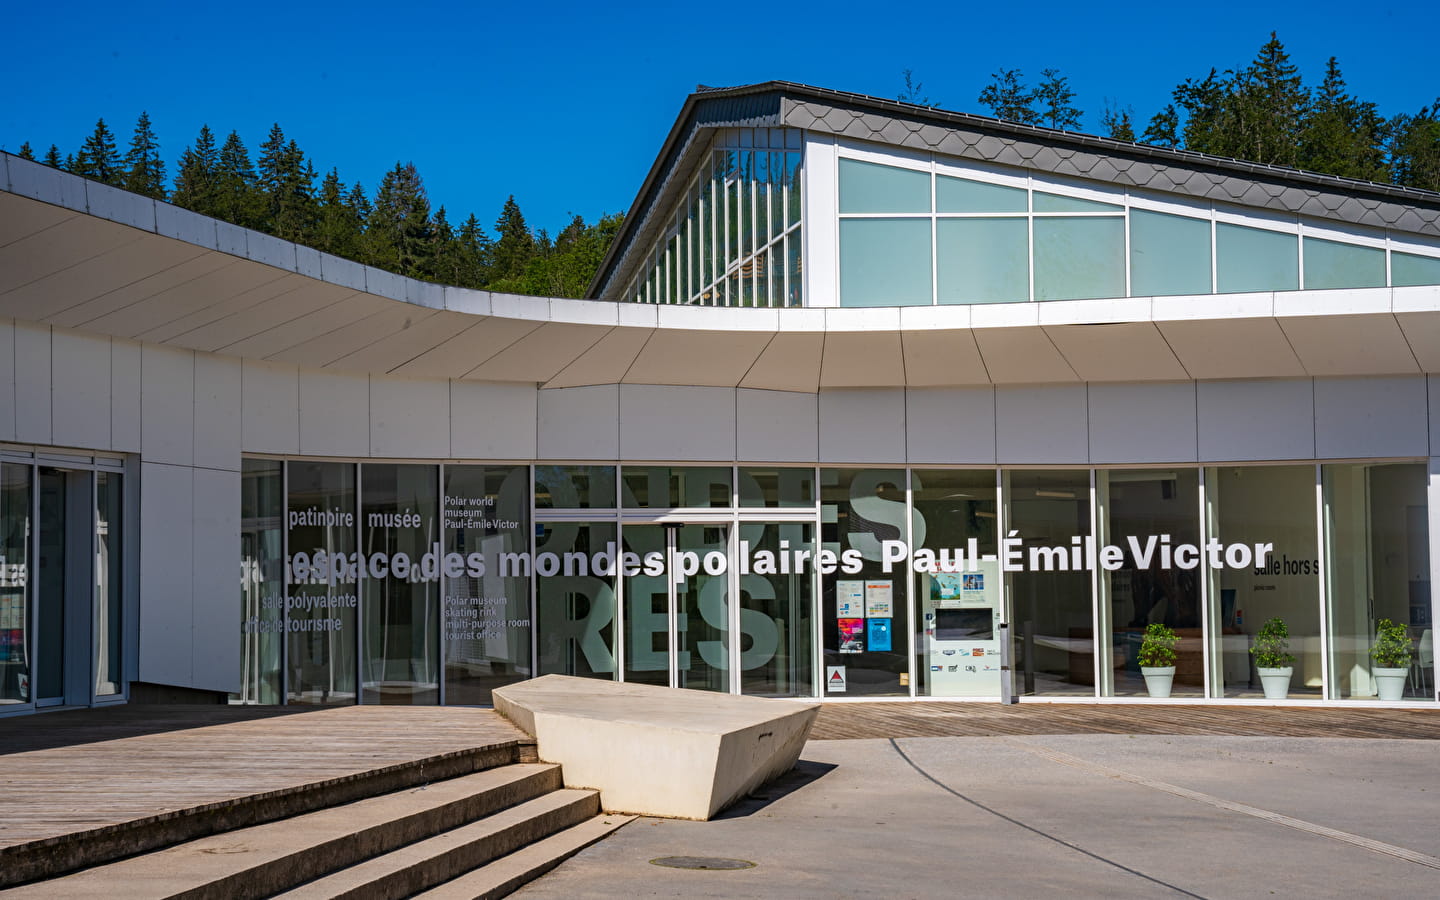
column 566, row 105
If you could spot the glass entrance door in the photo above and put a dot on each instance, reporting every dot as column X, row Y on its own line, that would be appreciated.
column 677, row 605
column 64, row 593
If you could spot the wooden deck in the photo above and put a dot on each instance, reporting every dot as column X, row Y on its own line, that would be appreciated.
column 68, row 772
column 847, row 721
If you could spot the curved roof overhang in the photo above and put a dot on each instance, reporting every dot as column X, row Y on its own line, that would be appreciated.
column 80, row 255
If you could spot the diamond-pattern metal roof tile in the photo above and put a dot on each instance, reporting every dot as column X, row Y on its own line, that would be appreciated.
column 1410, row 220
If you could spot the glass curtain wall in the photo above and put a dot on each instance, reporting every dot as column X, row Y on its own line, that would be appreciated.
column 322, row 602
column 575, row 605
column 1145, row 512
column 1377, row 541
column 864, row 611
column 776, row 610
column 1276, row 506
column 16, row 510
column 957, row 648
column 262, row 582
column 734, row 238
column 1051, row 606
column 486, row 606
column 399, row 506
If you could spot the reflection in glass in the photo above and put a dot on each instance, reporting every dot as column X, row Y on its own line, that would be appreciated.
column 775, row 611
column 778, row 486
column 321, row 636
column 1272, row 505
column 15, row 508
column 959, row 608
column 674, row 487
column 574, row 487
column 859, row 508
column 575, row 604
column 647, row 608
column 486, row 615
column 262, row 580
column 702, row 619
column 1054, row 630
column 1377, row 542
column 53, row 583
column 109, row 528
column 400, row 521
column 1144, row 508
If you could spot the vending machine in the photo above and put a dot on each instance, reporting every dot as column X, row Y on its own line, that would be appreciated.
column 962, row 632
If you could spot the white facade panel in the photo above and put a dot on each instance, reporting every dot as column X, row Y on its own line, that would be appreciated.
column 862, row 426
column 1240, row 420
column 218, row 412
column 578, row 423
column 950, row 425
column 167, row 405
column 1362, row 417
column 125, row 367
column 679, row 423
column 1140, row 423
column 215, row 629
column 167, row 574
column 334, row 414
column 776, row 426
column 492, row 421
column 32, row 384
column 80, row 381
column 1042, row 424
column 270, row 404
column 7, row 380
column 409, row 418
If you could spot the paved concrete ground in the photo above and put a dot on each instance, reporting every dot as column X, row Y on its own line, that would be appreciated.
column 1055, row 816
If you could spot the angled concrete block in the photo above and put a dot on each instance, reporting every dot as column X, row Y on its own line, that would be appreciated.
column 658, row 751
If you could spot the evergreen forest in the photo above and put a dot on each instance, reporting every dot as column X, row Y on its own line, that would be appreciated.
column 1262, row 112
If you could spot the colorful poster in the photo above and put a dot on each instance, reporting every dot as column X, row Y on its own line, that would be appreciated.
column 879, row 600
column 973, row 582
column 849, row 599
column 877, row 633
column 946, row 586
column 852, row 635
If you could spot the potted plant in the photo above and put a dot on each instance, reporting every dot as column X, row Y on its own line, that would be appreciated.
column 1391, row 658
column 1273, row 661
column 1157, row 659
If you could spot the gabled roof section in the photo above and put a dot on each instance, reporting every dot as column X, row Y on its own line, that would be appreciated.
column 968, row 136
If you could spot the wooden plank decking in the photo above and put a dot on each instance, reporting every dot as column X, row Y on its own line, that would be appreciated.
column 68, row 772
column 844, row 721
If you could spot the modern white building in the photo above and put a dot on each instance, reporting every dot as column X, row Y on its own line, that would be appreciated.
column 869, row 390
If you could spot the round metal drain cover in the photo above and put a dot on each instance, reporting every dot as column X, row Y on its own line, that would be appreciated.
column 702, row 862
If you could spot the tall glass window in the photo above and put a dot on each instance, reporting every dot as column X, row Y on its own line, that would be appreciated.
column 16, row 504
column 1274, row 506
column 957, row 637
column 109, row 585
column 864, row 609
column 486, row 607
column 776, row 610
column 262, row 582
column 321, row 598
column 1377, row 541
column 1147, row 512
column 1051, row 602
column 400, row 520
column 575, row 603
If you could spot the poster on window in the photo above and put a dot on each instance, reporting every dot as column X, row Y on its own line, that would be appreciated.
column 849, row 599
column 879, row 599
column 852, row 635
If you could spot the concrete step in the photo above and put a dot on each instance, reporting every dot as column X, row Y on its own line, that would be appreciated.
column 266, row 859
column 508, row 873
column 414, row 868
column 55, row 856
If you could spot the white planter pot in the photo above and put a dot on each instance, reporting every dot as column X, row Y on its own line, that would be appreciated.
column 1158, row 680
column 1390, row 682
column 1276, row 682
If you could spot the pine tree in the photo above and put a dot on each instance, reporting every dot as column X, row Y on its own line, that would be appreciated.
column 1342, row 135
column 1415, row 148
column 26, row 152
column 236, row 199
column 286, row 187
column 1164, row 128
column 913, row 92
column 197, row 181
column 1007, row 97
column 399, row 231
column 514, row 246
column 1118, row 123
column 338, row 224
column 474, row 253
column 98, row 158
column 1055, row 99
column 1268, row 107
column 52, row 158
column 144, row 169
